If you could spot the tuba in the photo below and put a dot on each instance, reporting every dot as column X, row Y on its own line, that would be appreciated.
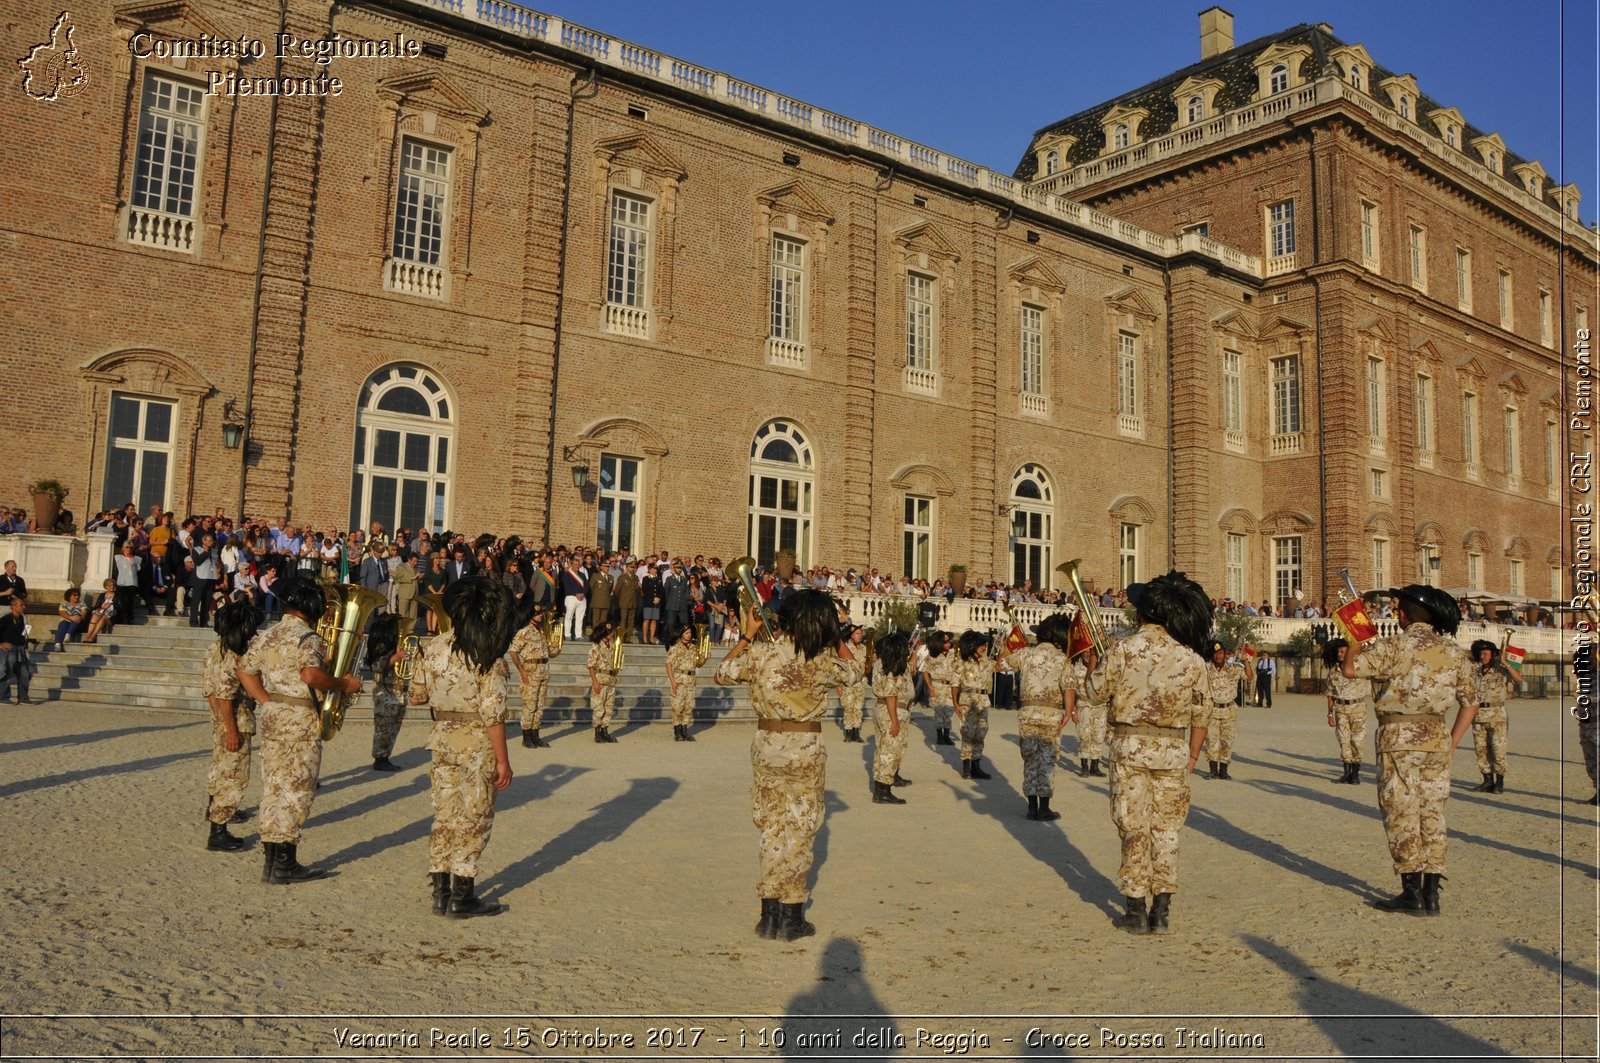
column 409, row 646
column 702, row 644
column 1086, row 608
column 743, row 569
column 344, row 619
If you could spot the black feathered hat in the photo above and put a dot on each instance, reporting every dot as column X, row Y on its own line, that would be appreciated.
column 1437, row 607
column 302, row 595
column 1178, row 604
column 483, row 620
column 235, row 623
column 1484, row 644
column 1056, row 629
column 1330, row 652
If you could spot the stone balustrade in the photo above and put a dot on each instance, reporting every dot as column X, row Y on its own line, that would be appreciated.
column 50, row 564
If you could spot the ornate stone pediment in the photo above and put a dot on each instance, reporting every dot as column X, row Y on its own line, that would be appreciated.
column 925, row 238
column 1131, row 301
column 149, row 371
column 1234, row 323
column 434, row 92
column 795, row 198
column 1034, row 272
column 923, row 477
column 173, row 19
column 641, row 152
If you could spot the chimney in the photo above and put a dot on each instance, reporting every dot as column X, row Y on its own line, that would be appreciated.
column 1216, row 32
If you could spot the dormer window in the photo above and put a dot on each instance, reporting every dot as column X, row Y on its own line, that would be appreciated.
column 1052, row 162
column 1278, row 80
column 1355, row 77
column 1535, row 188
column 1450, row 135
column 1405, row 108
column 1197, row 109
column 1119, row 136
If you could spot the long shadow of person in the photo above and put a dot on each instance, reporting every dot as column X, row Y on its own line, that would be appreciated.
column 1214, row 826
column 609, row 820
column 1365, row 1026
column 1570, row 972
column 840, row 1017
column 832, row 805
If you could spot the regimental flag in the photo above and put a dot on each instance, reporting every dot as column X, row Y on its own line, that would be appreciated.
column 1016, row 640
column 1354, row 622
column 1248, row 655
column 1079, row 641
column 1514, row 657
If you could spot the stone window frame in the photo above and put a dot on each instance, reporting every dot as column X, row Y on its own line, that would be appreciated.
column 1128, row 122
column 791, row 211
column 1464, row 279
column 1417, row 255
column 637, row 165
column 1032, row 283
column 1403, row 94
column 1239, row 522
column 150, row 373
column 1191, row 88
column 1285, row 55
column 631, row 438
column 925, row 251
column 1130, row 511
column 1371, row 226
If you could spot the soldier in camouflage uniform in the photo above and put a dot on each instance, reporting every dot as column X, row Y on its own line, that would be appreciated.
column 681, row 667
column 1427, row 673
column 1495, row 688
column 1222, row 690
column 602, row 682
column 282, row 667
column 531, row 653
column 233, row 722
column 891, row 714
column 1348, row 701
column 1045, row 674
column 939, row 673
column 388, row 691
column 790, row 679
column 1155, row 684
column 971, row 683
column 462, row 678
column 1088, row 704
column 853, row 696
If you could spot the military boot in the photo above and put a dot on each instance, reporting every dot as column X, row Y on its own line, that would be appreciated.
column 794, row 923
column 464, row 902
column 771, row 918
column 1499, row 783
column 287, row 870
column 1083, row 765
column 898, row 781
column 221, row 841
column 1136, row 920
column 1222, row 767
column 1094, row 768
column 441, row 891
column 1047, row 813
column 539, row 743
column 1409, row 899
column 1158, row 913
column 677, row 732
column 270, row 851
column 966, row 769
column 1355, row 773
column 1430, row 892
column 1487, row 786
column 527, row 740
column 977, row 769
column 883, row 795
column 687, row 737
column 1033, row 807
column 599, row 735
column 1344, row 776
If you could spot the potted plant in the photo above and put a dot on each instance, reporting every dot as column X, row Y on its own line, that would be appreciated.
column 957, row 578
column 1302, row 645
column 47, row 496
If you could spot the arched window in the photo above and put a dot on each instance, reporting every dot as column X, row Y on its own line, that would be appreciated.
column 1450, row 135
column 1355, row 76
column 1197, row 109
column 1405, row 107
column 1494, row 160
column 1119, row 136
column 781, row 492
column 405, row 431
column 1278, row 80
column 1032, row 525
column 1052, row 161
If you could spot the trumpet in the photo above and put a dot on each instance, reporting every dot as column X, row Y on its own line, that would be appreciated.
column 702, row 644
column 742, row 569
column 344, row 618
column 1086, row 609
column 1348, row 593
column 616, row 651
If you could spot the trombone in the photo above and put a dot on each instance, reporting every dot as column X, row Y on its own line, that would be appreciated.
column 742, row 569
column 1086, row 610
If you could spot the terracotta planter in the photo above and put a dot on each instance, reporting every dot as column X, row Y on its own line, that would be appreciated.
column 46, row 508
column 958, row 583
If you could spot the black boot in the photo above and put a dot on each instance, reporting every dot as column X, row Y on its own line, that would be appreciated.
column 287, row 870
column 1212, row 774
column 977, row 769
column 1045, row 811
column 1410, row 897
column 1344, row 776
column 1499, row 783
column 898, row 781
column 384, row 764
column 945, row 739
column 605, row 735
column 464, row 902
column 966, row 769
column 1136, row 920
column 599, row 735
column 538, row 743
column 687, row 737
column 270, row 851
column 1083, row 765
column 1430, row 892
column 677, row 732
column 223, row 842
column 1355, row 773
column 528, row 739
column 1487, row 786
column 1094, row 768
column 883, row 795
column 771, row 917
column 794, row 923
column 1033, row 807
column 1158, row 913
column 441, row 891
column 1222, row 766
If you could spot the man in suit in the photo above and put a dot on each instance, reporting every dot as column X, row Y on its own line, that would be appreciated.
column 405, row 589
column 574, row 597
column 459, row 566
column 374, row 572
column 675, row 604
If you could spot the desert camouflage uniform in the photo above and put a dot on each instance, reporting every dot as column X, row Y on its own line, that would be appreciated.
column 532, row 651
column 230, row 772
column 1045, row 675
column 1222, row 687
column 1156, row 690
column 603, row 704
column 853, row 699
column 941, row 677
column 1091, row 714
column 976, row 679
column 890, row 749
column 1428, row 674
column 1350, row 700
column 1489, row 726
column 789, row 767
column 680, row 662
column 290, row 727
column 388, row 710
column 463, row 769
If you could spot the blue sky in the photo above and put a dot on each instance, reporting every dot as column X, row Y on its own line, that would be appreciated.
column 975, row 80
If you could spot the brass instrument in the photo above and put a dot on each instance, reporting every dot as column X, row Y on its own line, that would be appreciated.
column 552, row 631
column 1349, row 593
column 343, row 621
column 742, row 569
column 435, row 605
column 412, row 645
column 616, row 651
column 409, row 647
column 1086, row 608
column 702, row 644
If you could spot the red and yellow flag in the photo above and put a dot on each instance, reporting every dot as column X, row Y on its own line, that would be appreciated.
column 1354, row 621
column 1016, row 640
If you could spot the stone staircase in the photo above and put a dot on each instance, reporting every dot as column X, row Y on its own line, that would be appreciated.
column 156, row 665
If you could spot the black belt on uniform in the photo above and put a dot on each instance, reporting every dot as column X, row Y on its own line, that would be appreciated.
column 1349, row 701
column 1146, row 729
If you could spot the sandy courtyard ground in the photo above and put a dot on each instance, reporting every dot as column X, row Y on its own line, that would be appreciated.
column 951, row 926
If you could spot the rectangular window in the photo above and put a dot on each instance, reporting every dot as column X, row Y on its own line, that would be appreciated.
column 139, row 452
column 617, row 527
column 1469, row 431
column 1475, row 572
column 1550, row 456
column 1128, row 555
column 1127, row 374
column 1237, row 589
column 1369, row 236
column 167, row 165
column 1516, row 577
column 419, row 205
column 788, row 277
column 1424, row 413
column 1376, row 422
column 1285, row 567
column 1547, row 325
column 1286, row 395
column 1380, row 562
column 1199, row 228
column 1511, row 452
column 1232, row 391
column 1419, row 257
column 1032, row 350
column 919, row 322
column 1280, row 228
column 1506, row 319
column 917, row 535
column 627, row 262
column 1464, row 279
column 1380, row 483
column 1428, row 565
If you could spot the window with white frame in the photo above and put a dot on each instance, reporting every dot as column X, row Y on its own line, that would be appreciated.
column 782, row 481
column 1494, row 160
column 917, row 538
column 404, row 438
column 1380, row 484
column 1464, row 279
column 1127, row 374
column 1280, row 229
column 628, row 266
column 1052, row 162
column 617, row 520
column 787, row 323
column 1428, row 565
column 1512, row 452
column 1286, row 395
column 1355, row 76
column 1377, row 423
column 421, row 204
column 1286, row 578
column 1128, row 555
column 1199, row 228
column 1419, row 257
column 1370, row 255
column 1474, row 571
column 1516, row 576
column 1555, row 582
column 1031, row 343
column 1234, row 566
column 1119, row 136
column 1469, row 431
column 1197, row 109
column 1380, row 562
column 1450, row 135
column 139, row 452
column 1424, row 413
column 1278, row 80
column 1547, row 325
column 1506, row 319
column 1232, row 391
column 166, row 168
column 1405, row 107
column 921, row 347
column 1032, row 526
